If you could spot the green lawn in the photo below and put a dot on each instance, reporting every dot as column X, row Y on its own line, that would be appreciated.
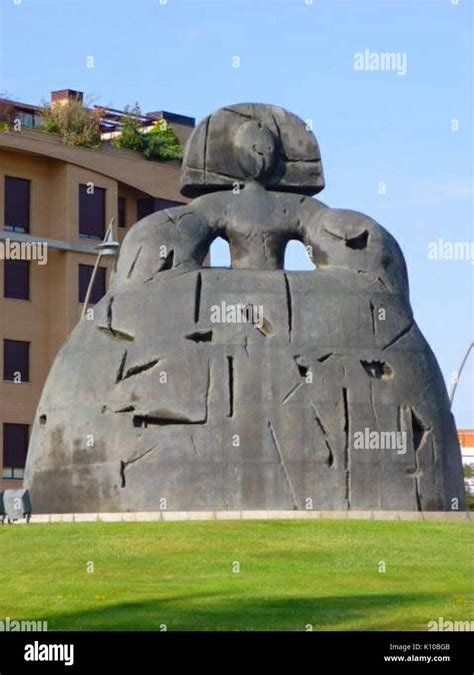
column 292, row 573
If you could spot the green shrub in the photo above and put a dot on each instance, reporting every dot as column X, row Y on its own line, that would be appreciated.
column 75, row 124
column 130, row 139
column 468, row 471
column 7, row 114
column 160, row 142
column 131, row 136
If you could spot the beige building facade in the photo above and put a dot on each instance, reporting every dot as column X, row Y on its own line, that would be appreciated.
column 63, row 197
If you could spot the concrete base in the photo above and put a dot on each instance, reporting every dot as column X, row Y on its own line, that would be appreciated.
column 176, row 516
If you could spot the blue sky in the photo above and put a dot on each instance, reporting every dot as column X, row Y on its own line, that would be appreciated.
column 372, row 126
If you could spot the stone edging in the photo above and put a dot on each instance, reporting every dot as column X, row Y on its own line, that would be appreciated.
column 174, row 516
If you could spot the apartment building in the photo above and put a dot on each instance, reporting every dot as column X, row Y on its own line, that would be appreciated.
column 62, row 196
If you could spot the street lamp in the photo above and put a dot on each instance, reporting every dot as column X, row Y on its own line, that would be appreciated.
column 107, row 248
column 463, row 363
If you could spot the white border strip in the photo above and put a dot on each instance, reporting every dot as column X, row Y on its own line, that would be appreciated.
column 176, row 516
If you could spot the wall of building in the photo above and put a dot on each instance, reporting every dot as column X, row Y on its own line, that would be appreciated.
column 47, row 318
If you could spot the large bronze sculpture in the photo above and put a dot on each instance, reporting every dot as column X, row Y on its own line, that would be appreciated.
column 198, row 388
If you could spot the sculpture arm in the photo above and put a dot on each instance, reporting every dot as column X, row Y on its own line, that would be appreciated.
column 353, row 241
column 164, row 240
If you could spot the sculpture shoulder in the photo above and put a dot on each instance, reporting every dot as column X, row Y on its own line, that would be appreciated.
column 162, row 241
column 353, row 225
column 347, row 223
column 163, row 223
column 353, row 240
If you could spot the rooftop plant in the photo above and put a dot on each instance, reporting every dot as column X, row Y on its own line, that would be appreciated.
column 159, row 142
column 79, row 126
column 162, row 142
column 76, row 125
column 7, row 114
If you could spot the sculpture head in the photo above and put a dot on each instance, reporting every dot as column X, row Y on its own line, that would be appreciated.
column 252, row 141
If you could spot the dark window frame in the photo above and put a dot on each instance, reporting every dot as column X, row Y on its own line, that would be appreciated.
column 100, row 284
column 16, row 289
column 91, row 223
column 148, row 205
column 122, row 211
column 13, row 469
column 10, row 205
column 23, row 368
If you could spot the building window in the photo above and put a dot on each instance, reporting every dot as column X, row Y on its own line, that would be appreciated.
column 98, row 289
column 16, row 361
column 122, row 212
column 149, row 205
column 145, row 207
column 161, row 204
column 15, row 449
column 17, row 204
column 27, row 119
column 91, row 212
column 16, row 281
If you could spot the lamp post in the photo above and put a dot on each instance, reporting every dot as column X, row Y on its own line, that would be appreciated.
column 107, row 248
column 463, row 363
